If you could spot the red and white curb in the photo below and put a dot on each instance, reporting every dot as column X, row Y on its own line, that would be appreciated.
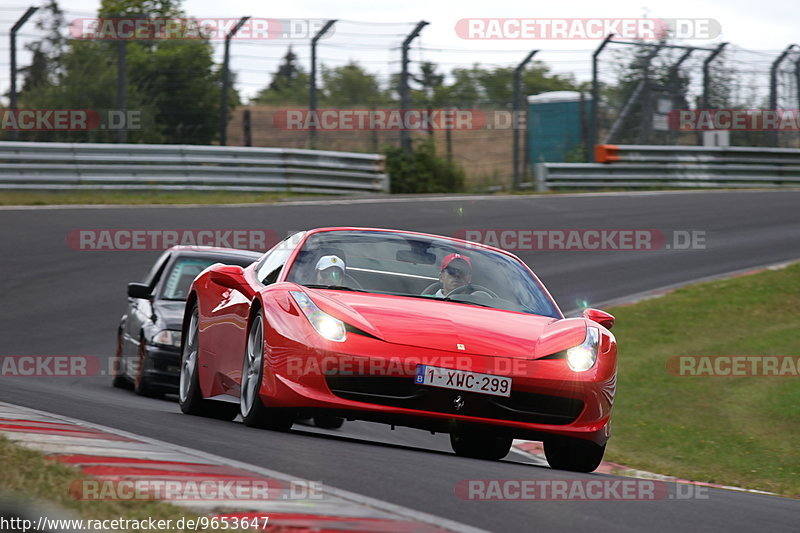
column 109, row 455
column 535, row 452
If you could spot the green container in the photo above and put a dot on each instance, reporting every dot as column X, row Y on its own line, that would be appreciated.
column 555, row 125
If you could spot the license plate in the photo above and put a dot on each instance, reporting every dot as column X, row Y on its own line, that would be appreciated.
column 449, row 378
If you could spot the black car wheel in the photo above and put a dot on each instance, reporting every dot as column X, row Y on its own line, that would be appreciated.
column 576, row 455
column 253, row 411
column 328, row 421
column 479, row 444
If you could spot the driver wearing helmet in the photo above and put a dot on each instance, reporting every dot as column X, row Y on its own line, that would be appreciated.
column 330, row 270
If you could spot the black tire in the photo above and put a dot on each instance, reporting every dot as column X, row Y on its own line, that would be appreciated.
column 141, row 384
column 479, row 444
column 328, row 421
column 254, row 412
column 575, row 455
column 118, row 377
column 190, row 397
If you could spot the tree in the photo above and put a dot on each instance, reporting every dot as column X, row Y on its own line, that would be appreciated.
column 289, row 85
column 45, row 67
column 174, row 84
column 183, row 86
column 465, row 89
column 431, row 83
column 351, row 86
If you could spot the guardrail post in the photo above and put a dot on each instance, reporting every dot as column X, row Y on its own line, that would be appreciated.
column 797, row 80
column 223, row 119
column 593, row 133
column 405, row 139
column 707, row 82
column 541, row 177
column 773, row 90
column 12, row 36
column 706, row 76
column 122, row 53
column 312, row 89
column 515, row 114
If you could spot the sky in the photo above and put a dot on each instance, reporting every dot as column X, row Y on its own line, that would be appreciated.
column 370, row 32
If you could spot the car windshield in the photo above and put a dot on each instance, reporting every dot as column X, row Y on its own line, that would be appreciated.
column 409, row 265
column 180, row 277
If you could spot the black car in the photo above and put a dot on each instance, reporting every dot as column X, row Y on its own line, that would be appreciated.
column 149, row 335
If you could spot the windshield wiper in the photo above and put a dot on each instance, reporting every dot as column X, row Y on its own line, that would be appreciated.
column 333, row 287
column 450, row 299
column 440, row 299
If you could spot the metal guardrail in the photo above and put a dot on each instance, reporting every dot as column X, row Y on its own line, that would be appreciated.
column 632, row 153
column 637, row 166
column 62, row 166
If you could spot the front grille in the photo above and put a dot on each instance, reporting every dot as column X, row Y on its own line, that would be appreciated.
column 403, row 392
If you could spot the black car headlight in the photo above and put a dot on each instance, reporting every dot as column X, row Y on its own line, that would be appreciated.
column 168, row 337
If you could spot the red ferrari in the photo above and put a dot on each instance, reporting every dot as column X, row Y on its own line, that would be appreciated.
column 402, row 328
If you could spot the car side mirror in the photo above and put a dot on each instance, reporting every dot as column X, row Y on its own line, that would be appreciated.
column 601, row 317
column 139, row 290
column 230, row 276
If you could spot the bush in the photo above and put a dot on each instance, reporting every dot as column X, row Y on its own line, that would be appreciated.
column 421, row 170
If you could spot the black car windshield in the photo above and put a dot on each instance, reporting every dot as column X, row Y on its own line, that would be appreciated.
column 180, row 277
column 410, row 265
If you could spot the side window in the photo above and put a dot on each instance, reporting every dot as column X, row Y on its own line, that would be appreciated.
column 270, row 267
column 158, row 269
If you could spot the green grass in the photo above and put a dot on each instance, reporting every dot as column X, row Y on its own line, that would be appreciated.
column 139, row 198
column 30, row 475
column 742, row 431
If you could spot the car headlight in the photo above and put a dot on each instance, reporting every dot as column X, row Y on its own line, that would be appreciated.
column 582, row 357
column 329, row 327
column 168, row 337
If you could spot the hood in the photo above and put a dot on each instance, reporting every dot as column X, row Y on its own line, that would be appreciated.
column 169, row 314
column 441, row 325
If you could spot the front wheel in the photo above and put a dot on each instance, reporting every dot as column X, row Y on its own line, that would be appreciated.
column 189, row 396
column 480, row 444
column 328, row 421
column 254, row 412
column 576, row 455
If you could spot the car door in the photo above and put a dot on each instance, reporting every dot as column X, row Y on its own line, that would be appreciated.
column 229, row 317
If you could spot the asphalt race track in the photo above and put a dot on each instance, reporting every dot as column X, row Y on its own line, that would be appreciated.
column 58, row 300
